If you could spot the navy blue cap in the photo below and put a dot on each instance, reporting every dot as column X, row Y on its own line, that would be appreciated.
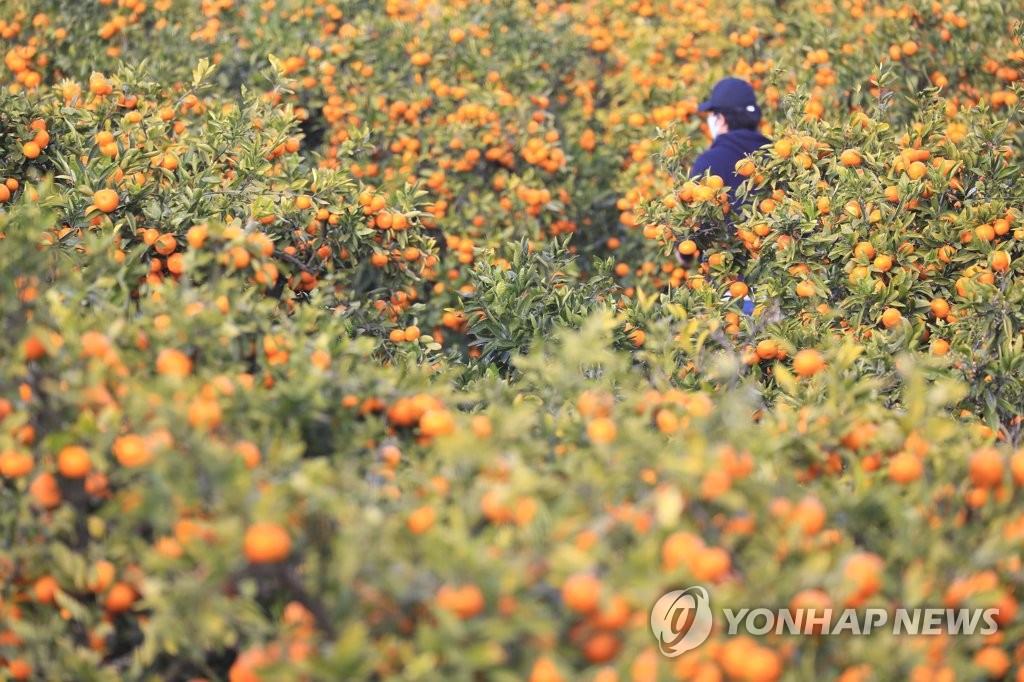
column 731, row 93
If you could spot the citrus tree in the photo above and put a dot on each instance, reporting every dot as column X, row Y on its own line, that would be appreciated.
column 347, row 340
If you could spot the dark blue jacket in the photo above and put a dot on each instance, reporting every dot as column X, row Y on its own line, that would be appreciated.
column 724, row 152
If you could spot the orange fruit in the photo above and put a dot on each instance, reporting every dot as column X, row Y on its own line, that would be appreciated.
column 120, row 598
column 420, row 59
column 165, row 244
column 1000, row 261
column 33, row 348
column 710, row 563
column 173, row 362
column 581, row 592
column 767, row 349
column 31, row 150
column 465, row 602
column 637, row 336
column 266, row 543
column 544, row 670
column 939, row 308
column 809, row 599
column 615, row 615
column 687, row 247
column 985, row 232
column 131, row 450
column 905, row 467
column 19, row 669
column 197, row 235
column 437, row 422
column 864, row 571
column 986, row 468
column 482, row 426
column 106, row 200
column 763, row 665
column 859, row 273
column 45, row 589
column 805, row 289
column 421, row 519
column 891, row 317
column 993, row 660
column 101, row 576
column 864, row 250
column 14, row 464
column 204, row 413
column 715, row 182
column 45, row 490
column 602, row 430
column 249, row 452
column 95, row 344
column 73, row 462
column 678, row 548
column 1017, row 467
column 240, row 257
column 917, row 170
column 645, row 666
column 601, row 647
column 249, row 662
column 738, row 289
column 808, row 362
column 940, row 347
column 850, row 157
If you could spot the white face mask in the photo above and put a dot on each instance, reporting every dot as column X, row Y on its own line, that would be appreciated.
column 714, row 125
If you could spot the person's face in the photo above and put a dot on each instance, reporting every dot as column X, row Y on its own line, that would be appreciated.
column 715, row 122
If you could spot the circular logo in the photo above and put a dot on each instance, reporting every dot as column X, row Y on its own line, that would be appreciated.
column 681, row 620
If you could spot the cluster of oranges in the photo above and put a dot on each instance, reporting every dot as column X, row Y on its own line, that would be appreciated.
column 32, row 148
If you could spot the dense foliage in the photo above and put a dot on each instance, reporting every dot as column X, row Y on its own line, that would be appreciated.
column 345, row 340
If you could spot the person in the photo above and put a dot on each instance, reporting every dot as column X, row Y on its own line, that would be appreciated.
column 733, row 118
